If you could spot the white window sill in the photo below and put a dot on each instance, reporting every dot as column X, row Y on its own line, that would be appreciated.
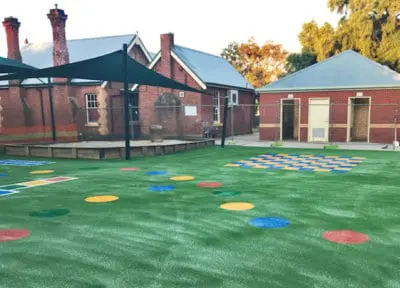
column 93, row 124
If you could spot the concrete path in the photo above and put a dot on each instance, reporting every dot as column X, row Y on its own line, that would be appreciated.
column 253, row 141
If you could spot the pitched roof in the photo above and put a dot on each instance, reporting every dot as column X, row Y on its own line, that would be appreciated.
column 41, row 55
column 211, row 69
column 348, row 70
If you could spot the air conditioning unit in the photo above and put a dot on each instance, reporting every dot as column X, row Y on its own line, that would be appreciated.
column 233, row 97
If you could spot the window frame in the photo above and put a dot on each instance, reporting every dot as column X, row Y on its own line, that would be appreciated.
column 88, row 106
column 217, row 108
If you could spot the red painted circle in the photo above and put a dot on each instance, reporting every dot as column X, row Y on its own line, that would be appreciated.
column 129, row 169
column 12, row 235
column 209, row 184
column 345, row 237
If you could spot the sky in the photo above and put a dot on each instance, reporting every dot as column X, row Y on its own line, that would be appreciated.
column 206, row 25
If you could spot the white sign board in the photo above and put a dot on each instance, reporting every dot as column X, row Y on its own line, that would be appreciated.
column 190, row 111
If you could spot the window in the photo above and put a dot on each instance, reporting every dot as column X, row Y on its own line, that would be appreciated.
column 233, row 97
column 92, row 115
column 216, row 108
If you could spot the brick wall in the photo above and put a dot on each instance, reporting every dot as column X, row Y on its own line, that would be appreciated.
column 383, row 104
column 137, row 54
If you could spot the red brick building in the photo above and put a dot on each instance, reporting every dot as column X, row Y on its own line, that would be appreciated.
column 346, row 98
column 90, row 110
column 203, row 71
column 83, row 108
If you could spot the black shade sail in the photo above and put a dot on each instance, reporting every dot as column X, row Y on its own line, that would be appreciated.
column 13, row 66
column 105, row 68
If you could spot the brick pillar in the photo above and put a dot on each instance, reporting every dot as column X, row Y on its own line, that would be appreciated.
column 64, row 97
column 167, row 42
column 11, row 26
column 12, row 106
column 58, row 19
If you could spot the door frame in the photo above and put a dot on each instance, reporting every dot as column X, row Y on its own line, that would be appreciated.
column 309, row 138
column 349, row 115
column 281, row 117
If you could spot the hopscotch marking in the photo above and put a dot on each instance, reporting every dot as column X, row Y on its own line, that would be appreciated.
column 23, row 163
column 17, row 187
column 296, row 162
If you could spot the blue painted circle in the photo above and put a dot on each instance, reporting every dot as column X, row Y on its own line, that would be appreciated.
column 269, row 222
column 5, row 192
column 159, row 188
column 153, row 173
column 3, row 175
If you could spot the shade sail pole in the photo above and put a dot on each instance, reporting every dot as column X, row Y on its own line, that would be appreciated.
column 224, row 122
column 126, row 103
column 52, row 118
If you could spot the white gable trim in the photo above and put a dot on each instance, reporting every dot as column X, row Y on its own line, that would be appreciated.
column 180, row 62
column 151, row 66
column 139, row 42
column 190, row 72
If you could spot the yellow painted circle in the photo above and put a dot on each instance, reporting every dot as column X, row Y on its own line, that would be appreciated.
column 101, row 199
column 38, row 172
column 237, row 206
column 182, row 178
column 232, row 165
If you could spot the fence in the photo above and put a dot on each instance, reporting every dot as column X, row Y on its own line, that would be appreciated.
column 285, row 120
column 177, row 122
column 321, row 121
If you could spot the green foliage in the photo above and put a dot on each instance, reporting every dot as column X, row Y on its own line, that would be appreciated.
column 367, row 26
column 277, row 144
column 331, row 147
column 298, row 61
column 260, row 65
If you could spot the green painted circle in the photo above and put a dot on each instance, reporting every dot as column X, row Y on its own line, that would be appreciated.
column 49, row 213
column 226, row 193
column 89, row 168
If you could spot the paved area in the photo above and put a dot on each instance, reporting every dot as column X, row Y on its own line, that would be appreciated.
column 114, row 144
column 253, row 141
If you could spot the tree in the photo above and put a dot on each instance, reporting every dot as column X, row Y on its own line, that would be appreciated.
column 318, row 40
column 370, row 27
column 231, row 54
column 298, row 61
column 260, row 65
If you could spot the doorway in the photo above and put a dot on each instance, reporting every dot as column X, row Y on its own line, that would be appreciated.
column 290, row 119
column 318, row 120
column 359, row 119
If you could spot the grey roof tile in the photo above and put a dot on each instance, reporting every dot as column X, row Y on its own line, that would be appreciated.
column 347, row 70
column 211, row 69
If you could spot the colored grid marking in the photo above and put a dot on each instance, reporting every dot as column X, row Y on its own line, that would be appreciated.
column 23, row 163
column 14, row 188
column 296, row 162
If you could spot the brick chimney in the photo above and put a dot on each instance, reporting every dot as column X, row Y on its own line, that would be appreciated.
column 167, row 42
column 60, row 50
column 11, row 26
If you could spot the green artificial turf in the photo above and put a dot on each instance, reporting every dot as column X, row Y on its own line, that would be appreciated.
column 181, row 238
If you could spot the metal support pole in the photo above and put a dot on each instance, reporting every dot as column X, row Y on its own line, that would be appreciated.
column 395, row 126
column 232, row 121
column 224, row 122
column 126, row 103
column 331, row 125
column 52, row 118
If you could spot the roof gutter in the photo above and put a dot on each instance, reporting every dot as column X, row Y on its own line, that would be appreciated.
column 231, row 87
column 312, row 89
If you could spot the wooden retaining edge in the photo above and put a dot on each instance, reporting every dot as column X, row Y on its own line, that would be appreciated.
column 100, row 153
